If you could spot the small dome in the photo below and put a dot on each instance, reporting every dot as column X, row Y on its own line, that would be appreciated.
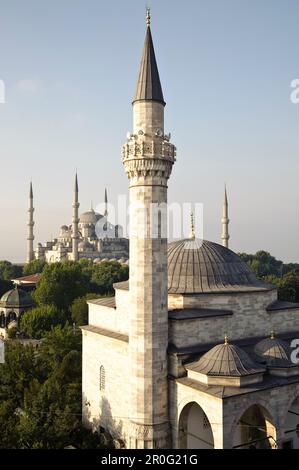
column 64, row 228
column 84, row 245
column 17, row 298
column 206, row 267
column 226, row 360
column 89, row 217
column 273, row 351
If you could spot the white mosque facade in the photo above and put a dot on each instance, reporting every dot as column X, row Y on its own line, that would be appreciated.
column 182, row 356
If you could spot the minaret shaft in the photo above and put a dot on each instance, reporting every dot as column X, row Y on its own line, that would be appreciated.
column 75, row 227
column 225, row 222
column 30, row 225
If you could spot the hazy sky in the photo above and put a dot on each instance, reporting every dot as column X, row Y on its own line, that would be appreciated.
column 70, row 69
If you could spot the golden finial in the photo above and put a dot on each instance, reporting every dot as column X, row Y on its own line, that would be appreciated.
column 148, row 16
column 272, row 334
column 225, row 339
column 192, row 233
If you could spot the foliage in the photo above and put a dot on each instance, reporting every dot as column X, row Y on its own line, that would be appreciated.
column 288, row 286
column 40, row 394
column 106, row 273
column 12, row 332
column 61, row 284
column 5, row 286
column 37, row 321
column 35, row 266
column 263, row 264
column 9, row 271
column 79, row 309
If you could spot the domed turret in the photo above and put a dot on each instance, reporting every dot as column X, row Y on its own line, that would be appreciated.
column 225, row 364
column 276, row 355
column 16, row 298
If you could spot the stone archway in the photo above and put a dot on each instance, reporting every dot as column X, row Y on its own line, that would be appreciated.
column 11, row 317
column 291, row 427
column 255, row 429
column 195, row 431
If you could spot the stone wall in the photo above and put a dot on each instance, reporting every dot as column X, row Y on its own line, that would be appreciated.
column 107, row 407
column 250, row 318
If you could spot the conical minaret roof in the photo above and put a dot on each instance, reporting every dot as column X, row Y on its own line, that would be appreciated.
column 148, row 85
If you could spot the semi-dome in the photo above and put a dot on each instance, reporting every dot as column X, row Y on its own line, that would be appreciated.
column 273, row 352
column 196, row 266
column 16, row 298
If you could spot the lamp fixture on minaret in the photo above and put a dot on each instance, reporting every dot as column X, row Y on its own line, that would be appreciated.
column 30, row 225
column 225, row 220
column 75, row 228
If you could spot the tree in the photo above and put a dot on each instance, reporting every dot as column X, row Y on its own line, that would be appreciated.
column 288, row 286
column 60, row 284
column 106, row 273
column 263, row 264
column 37, row 321
column 9, row 420
column 5, row 286
column 35, row 266
column 9, row 271
column 79, row 309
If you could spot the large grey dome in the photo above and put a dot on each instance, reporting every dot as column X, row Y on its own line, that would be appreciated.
column 196, row 266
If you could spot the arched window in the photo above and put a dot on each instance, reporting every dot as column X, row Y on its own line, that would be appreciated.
column 102, row 378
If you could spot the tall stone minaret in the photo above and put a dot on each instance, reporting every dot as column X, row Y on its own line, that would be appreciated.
column 148, row 158
column 75, row 230
column 30, row 225
column 106, row 204
column 225, row 221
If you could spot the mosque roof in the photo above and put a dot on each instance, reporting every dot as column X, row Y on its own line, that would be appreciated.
column 273, row 351
column 196, row 266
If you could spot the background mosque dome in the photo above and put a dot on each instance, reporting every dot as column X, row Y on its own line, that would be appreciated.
column 84, row 245
column 17, row 298
column 226, row 360
column 64, row 228
column 89, row 217
column 196, row 266
column 273, row 351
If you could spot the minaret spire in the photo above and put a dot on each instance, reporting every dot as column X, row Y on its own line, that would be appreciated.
column 30, row 225
column 106, row 204
column 225, row 220
column 148, row 85
column 75, row 229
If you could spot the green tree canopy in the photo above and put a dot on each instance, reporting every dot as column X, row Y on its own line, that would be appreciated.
column 37, row 321
column 106, row 273
column 9, row 271
column 79, row 309
column 35, row 266
column 60, row 284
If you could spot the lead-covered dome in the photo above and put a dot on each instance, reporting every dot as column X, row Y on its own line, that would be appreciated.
column 90, row 217
column 227, row 360
column 273, row 352
column 196, row 266
column 16, row 298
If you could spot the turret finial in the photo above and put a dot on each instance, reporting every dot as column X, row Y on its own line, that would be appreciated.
column 192, row 232
column 148, row 16
column 225, row 339
column 272, row 334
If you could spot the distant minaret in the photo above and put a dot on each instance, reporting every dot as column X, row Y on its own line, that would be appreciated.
column 225, row 221
column 106, row 204
column 30, row 224
column 75, row 231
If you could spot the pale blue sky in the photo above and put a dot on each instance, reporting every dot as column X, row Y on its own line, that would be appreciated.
column 70, row 68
